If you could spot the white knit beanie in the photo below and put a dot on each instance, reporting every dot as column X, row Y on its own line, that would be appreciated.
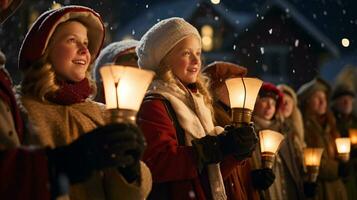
column 160, row 39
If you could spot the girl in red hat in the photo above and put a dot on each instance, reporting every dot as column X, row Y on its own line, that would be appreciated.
column 55, row 58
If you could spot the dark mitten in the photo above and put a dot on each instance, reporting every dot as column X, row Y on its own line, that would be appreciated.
column 310, row 189
column 344, row 168
column 207, row 150
column 262, row 179
column 107, row 146
column 240, row 141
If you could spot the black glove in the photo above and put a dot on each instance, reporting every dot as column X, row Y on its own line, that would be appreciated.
column 240, row 142
column 108, row 146
column 310, row 189
column 237, row 141
column 344, row 168
column 262, row 179
column 207, row 150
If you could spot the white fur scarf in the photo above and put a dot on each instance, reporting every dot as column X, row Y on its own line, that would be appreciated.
column 196, row 119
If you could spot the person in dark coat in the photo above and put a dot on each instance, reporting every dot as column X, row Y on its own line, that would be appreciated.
column 321, row 132
column 237, row 178
column 342, row 99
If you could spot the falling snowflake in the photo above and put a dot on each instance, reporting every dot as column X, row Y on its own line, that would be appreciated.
column 296, row 43
column 287, row 10
column 262, row 50
column 265, row 67
column 293, row 71
column 216, row 18
column 325, row 12
column 234, row 47
column 147, row 6
column 270, row 31
column 133, row 32
column 314, row 16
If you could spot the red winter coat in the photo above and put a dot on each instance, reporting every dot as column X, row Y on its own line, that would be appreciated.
column 172, row 163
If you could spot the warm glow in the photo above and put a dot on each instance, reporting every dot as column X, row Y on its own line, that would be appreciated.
column 207, row 37
column 207, row 30
column 243, row 95
column 124, row 87
column 312, row 156
column 345, row 42
column 343, row 145
column 353, row 136
column 270, row 141
column 207, row 44
column 215, row 1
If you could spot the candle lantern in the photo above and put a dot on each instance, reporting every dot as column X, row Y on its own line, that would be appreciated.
column 242, row 95
column 312, row 159
column 124, row 89
column 269, row 145
column 343, row 148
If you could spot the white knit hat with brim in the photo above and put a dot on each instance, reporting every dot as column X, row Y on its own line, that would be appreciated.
column 160, row 39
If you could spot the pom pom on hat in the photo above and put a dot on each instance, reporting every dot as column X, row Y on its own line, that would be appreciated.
column 37, row 38
column 160, row 39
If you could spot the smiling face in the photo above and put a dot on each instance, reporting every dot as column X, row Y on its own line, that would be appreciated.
column 69, row 54
column 185, row 60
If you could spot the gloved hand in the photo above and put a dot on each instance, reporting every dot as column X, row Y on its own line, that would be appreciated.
column 240, row 142
column 237, row 141
column 344, row 168
column 113, row 145
column 207, row 150
column 262, row 179
column 310, row 189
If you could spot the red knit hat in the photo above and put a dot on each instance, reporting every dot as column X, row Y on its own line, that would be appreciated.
column 37, row 38
column 270, row 90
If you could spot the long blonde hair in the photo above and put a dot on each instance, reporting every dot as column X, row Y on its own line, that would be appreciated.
column 165, row 74
column 40, row 79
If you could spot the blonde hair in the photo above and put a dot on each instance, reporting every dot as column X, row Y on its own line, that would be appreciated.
column 40, row 79
column 165, row 74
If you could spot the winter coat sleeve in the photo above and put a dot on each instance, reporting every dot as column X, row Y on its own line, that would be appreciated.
column 167, row 160
column 8, row 134
column 118, row 188
column 24, row 174
column 229, row 164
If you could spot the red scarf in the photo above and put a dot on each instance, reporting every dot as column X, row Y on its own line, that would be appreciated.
column 71, row 92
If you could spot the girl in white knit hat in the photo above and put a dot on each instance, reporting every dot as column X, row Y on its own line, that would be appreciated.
column 184, row 148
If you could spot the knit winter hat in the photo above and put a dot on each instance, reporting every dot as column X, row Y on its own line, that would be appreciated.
column 37, row 38
column 112, row 52
column 219, row 71
column 341, row 90
column 289, row 91
column 270, row 90
column 160, row 39
column 7, row 8
column 306, row 90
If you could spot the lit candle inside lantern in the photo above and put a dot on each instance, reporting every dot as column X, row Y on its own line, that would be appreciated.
column 242, row 95
column 343, row 148
column 312, row 159
column 124, row 89
column 269, row 145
